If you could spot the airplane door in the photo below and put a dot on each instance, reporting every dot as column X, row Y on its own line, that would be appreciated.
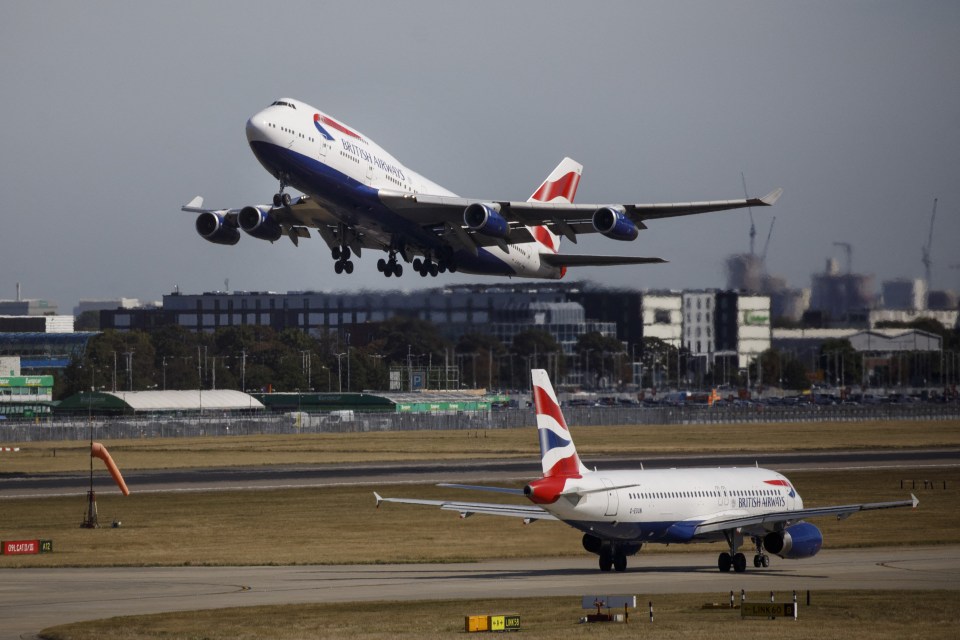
column 322, row 154
column 613, row 499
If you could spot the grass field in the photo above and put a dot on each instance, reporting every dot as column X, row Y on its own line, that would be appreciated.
column 833, row 614
column 649, row 440
column 341, row 526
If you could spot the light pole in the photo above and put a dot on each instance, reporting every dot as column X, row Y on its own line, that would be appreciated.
column 340, row 372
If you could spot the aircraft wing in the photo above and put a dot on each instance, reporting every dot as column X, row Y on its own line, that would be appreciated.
column 564, row 219
column 527, row 512
column 789, row 517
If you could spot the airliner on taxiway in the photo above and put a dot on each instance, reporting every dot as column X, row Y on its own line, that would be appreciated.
column 620, row 511
column 357, row 196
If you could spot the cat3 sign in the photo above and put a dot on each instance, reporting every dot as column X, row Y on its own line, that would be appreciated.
column 26, row 547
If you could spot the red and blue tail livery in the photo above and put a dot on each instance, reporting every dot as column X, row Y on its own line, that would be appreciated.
column 619, row 511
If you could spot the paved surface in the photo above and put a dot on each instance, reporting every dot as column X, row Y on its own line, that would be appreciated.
column 33, row 599
column 16, row 486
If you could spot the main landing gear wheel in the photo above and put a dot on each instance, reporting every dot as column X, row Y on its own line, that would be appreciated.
column 738, row 561
column 390, row 267
column 620, row 561
column 427, row 267
column 342, row 257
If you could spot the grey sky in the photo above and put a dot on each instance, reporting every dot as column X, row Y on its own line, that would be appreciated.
column 116, row 113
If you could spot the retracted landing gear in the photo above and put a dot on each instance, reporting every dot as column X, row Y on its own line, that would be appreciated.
column 390, row 267
column 732, row 559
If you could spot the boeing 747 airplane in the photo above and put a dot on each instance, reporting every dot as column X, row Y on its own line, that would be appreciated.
column 620, row 511
column 357, row 196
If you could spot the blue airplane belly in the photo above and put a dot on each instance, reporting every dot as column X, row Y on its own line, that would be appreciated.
column 355, row 202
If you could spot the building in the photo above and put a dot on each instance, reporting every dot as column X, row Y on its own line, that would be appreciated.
column 23, row 396
column 905, row 294
column 836, row 295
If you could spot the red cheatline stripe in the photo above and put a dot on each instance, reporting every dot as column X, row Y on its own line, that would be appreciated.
column 339, row 127
column 545, row 405
column 779, row 483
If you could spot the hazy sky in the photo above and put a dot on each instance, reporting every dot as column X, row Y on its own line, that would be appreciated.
column 114, row 114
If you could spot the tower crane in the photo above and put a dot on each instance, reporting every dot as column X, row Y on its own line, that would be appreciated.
column 848, row 249
column 927, row 261
column 753, row 228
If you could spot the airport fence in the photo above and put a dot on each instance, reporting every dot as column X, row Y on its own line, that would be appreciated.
column 62, row 429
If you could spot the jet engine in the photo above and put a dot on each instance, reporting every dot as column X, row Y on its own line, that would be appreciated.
column 802, row 540
column 614, row 224
column 215, row 228
column 486, row 219
column 258, row 223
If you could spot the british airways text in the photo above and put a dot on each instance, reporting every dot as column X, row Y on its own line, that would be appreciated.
column 366, row 156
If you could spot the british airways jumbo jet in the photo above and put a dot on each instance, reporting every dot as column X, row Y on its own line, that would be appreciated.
column 357, row 196
column 620, row 511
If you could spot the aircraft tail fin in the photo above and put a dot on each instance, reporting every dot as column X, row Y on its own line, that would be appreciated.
column 558, row 454
column 560, row 186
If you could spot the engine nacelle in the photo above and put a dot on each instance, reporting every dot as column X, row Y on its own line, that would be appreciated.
column 802, row 540
column 614, row 224
column 485, row 219
column 213, row 227
column 259, row 223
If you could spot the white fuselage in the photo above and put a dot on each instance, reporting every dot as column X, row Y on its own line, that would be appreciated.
column 666, row 505
column 344, row 171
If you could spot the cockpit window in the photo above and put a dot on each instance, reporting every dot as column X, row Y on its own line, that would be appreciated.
column 281, row 103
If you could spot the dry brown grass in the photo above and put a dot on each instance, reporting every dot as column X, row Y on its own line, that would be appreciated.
column 649, row 440
column 832, row 614
column 341, row 526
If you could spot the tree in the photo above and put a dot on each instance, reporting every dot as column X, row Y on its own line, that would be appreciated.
column 600, row 354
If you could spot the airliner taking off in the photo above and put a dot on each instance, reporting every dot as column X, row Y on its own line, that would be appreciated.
column 620, row 511
column 357, row 196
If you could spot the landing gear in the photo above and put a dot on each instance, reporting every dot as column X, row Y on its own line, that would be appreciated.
column 342, row 257
column 732, row 559
column 427, row 267
column 281, row 199
column 390, row 267
column 612, row 557
column 760, row 559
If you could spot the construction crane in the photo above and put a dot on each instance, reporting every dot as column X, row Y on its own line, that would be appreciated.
column 848, row 248
column 753, row 228
column 766, row 245
column 927, row 262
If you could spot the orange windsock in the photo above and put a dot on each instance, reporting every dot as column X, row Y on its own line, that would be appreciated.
column 97, row 450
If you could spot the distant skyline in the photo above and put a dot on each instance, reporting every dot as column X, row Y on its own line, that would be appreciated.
column 118, row 113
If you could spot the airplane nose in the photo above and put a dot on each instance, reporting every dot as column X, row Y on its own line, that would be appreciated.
column 256, row 129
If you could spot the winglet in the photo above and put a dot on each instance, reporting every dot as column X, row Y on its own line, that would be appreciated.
column 195, row 205
column 772, row 197
column 915, row 501
column 379, row 498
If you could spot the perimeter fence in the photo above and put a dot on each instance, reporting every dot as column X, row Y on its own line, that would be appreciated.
column 57, row 429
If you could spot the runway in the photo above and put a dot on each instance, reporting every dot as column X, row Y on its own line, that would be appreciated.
column 18, row 486
column 33, row 599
